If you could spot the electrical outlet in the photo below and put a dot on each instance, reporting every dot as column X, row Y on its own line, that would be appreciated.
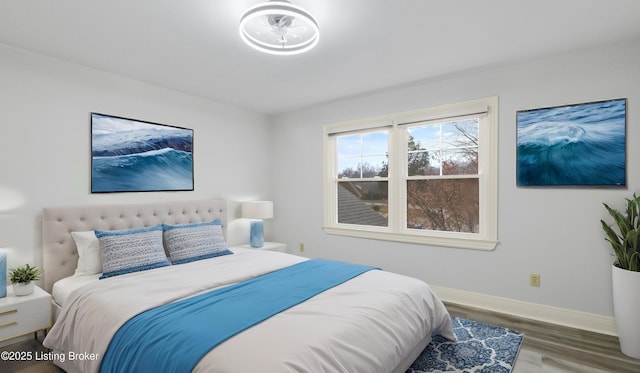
column 534, row 280
column 301, row 246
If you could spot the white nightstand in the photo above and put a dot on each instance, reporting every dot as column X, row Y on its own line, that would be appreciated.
column 25, row 314
column 271, row 246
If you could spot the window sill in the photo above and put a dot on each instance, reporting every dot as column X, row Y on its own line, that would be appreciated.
column 455, row 242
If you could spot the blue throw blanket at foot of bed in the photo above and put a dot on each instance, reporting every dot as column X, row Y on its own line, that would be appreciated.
column 189, row 329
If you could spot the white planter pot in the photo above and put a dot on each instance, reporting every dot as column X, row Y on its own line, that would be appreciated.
column 20, row 288
column 626, row 307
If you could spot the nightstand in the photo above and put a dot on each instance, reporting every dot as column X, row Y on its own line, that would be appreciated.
column 271, row 246
column 25, row 314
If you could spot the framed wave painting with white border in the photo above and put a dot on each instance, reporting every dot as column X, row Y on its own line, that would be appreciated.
column 129, row 155
column 572, row 145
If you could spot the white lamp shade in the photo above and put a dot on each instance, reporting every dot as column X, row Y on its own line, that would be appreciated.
column 257, row 209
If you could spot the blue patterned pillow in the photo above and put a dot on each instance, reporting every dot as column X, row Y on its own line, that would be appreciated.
column 189, row 242
column 131, row 250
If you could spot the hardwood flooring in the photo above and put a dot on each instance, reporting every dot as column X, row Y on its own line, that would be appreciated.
column 28, row 366
column 546, row 348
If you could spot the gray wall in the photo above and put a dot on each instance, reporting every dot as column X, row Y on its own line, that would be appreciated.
column 240, row 155
column 551, row 231
column 45, row 144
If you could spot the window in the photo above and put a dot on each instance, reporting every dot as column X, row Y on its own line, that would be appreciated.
column 362, row 186
column 427, row 176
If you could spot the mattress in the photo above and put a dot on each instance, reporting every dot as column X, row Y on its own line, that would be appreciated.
column 371, row 323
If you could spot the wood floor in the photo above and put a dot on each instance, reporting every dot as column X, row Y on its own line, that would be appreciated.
column 28, row 366
column 546, row 348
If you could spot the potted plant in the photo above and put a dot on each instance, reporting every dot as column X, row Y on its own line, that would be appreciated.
column 22, row 279
column 625, row 242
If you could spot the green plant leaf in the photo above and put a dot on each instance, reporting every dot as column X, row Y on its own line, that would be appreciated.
column 625, row 242
column 24, row 274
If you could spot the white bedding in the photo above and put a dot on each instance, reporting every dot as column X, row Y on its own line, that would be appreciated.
column 63, row 288
column 368, row 324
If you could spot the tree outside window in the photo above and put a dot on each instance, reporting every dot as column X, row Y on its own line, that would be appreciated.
column 442, row 183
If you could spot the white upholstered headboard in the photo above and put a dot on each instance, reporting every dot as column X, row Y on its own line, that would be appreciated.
column 60, row 256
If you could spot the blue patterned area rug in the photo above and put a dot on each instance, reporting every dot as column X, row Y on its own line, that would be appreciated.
column 481, row 348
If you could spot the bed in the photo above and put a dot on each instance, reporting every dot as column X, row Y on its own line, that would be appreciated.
column 374, row 321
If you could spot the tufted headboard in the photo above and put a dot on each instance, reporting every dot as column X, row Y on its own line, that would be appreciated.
column 60, row 256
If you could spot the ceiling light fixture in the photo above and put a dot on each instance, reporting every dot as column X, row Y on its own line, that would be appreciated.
column 279, row 27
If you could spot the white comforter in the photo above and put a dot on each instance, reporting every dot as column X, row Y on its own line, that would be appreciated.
column 368, row 324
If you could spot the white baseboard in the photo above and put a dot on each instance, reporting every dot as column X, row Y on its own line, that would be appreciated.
column 554, row 315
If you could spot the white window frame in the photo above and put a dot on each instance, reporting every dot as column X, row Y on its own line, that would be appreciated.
column 486, row 109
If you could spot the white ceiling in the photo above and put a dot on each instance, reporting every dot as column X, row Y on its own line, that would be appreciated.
column 193, row 46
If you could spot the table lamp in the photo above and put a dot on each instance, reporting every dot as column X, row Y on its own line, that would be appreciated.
column 258, row 210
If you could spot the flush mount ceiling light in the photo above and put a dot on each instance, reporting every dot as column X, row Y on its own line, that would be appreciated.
column 279, row 27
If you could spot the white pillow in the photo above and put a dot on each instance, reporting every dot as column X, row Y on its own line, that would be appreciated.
column 89, row 260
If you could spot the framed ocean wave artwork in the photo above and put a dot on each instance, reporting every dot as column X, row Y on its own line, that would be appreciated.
column 129, row 155
column 573, row 145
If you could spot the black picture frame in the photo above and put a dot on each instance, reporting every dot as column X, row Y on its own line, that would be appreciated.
column 132, row 155
column 572, row 145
